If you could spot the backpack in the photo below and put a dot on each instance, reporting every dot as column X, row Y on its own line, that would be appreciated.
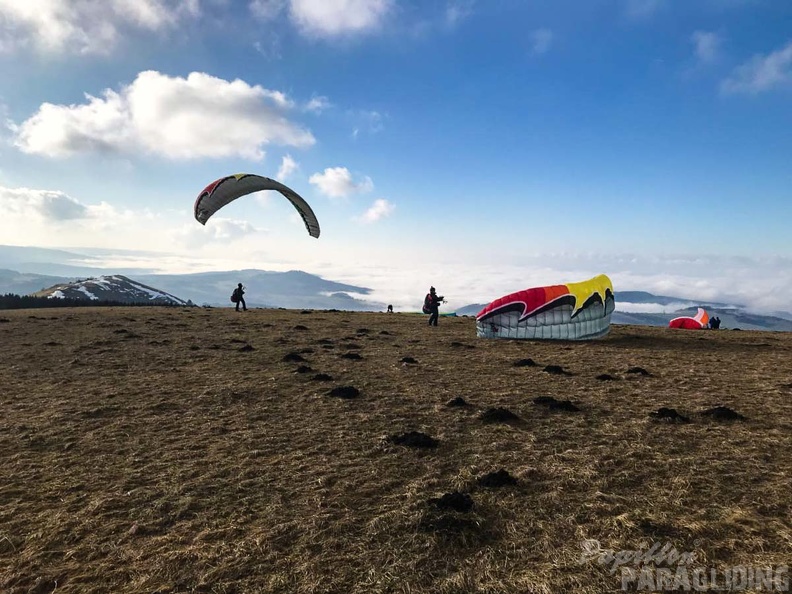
column 427, row 302
column 235, row 296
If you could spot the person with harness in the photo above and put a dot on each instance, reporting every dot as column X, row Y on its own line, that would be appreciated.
column 432, row 305
column 237, row 297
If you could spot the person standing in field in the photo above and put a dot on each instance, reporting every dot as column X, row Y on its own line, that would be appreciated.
column 432, row 305
column 237, row 297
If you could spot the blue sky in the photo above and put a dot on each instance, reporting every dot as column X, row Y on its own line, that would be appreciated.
column 482, row 146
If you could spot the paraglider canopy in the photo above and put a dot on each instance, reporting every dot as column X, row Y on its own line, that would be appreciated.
column 574, row 311
column 697, row 322
column 227, row 189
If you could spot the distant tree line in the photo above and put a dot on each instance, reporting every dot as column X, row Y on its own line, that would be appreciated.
column 12, row 301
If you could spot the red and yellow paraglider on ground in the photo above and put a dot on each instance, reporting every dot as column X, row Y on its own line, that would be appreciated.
column 574, row 311
column 697, row 322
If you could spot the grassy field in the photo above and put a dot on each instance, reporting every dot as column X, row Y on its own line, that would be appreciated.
column 188, row 450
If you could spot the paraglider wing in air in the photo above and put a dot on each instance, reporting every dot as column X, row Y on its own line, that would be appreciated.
column 227, row 189
column 574, row 311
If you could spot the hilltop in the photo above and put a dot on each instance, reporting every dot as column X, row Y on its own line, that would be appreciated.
column 189, row 449
column 116, row 288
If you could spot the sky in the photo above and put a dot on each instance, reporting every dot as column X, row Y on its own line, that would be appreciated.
column 479, row 146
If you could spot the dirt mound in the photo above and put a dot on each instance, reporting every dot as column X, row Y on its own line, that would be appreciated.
column 303, row 369
column 458, row 401
column 607, row 377
column 246, row 349
column 460, row 502
column 344, row 392
column 300, row 327
column 499, row 415
column 639, row 371
column 353, row 356
column 414, row 439
column 293, row 357
column 723, row 413
column 501, row 478
column 669, row 415
column 553, row 404
column 408, row 360
column 322, row 377
column 556, row 370
column 526, row 363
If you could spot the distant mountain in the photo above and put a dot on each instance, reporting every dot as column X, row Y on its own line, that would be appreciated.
column 470, row 310
column 116, row 288
column 294, row 289
column 62, row 263
column 23, row 283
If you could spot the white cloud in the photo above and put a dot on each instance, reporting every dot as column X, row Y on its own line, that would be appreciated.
column 318, row 104
column 267, row 10
column 218, row 229
column 706, row 46
column 322, row 18
column 379, row 210
column 179, row 118
column 337, row 182
column 653, row 307
column 287, row 167
column 457, row 11
column 46, row 217
column 45, row 205
column 541, row 39
column 55, row 26
column 761, row 73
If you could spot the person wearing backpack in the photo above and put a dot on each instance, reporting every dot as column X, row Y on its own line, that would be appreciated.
column 237, row 297
column 432, row 305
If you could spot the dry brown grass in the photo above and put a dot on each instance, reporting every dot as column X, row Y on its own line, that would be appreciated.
column 142, row 451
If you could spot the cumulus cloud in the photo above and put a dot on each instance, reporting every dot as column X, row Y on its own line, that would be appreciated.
column 218, row 229
column 52, row 217
column 175, row 117
column 321, row 18
column 337, row 182
column 77, row 26
column 379, row 210
column 761, row 73
column 287, row 167
column 541, row 39
column 706, row 46
column 47, row 205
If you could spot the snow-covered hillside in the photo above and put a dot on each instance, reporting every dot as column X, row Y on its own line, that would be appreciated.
column 110, row 288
